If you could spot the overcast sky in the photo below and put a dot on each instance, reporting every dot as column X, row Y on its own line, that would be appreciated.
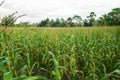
column 37, row 10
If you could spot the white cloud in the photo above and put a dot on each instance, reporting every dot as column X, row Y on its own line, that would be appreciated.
column 40, row 9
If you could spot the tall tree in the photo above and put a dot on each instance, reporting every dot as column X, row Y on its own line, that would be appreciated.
column 63, row 23
column 91, row 18
column 44, row 23
column 110, row 19
column 86, row 23
column 78, row 20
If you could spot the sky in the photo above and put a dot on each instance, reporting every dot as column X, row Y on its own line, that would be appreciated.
column 37, row 10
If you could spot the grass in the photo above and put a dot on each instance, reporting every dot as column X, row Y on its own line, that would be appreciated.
column 60, row 53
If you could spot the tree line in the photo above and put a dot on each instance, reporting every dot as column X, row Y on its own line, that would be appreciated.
column 110, row 19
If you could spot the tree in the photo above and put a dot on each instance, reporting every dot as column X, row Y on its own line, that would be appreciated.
column 70, row 22
column 77, row 19
column 86, row 23
column 63, row 23
column 44, row 23
column 52, row 23
column 100, row 21
column 57, row 23
column 110, row 19
column 114, row 17
column 91, row 18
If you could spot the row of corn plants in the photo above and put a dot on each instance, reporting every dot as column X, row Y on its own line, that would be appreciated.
column 60, row 54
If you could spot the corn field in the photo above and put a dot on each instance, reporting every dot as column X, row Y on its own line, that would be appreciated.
column 60, row 53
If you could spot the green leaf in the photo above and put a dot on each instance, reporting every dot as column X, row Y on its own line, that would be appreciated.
column 30, row 78
column 116, row 72
column 35, row 78
column 23, row 69
column 2, row 68
column 28, row 60
column 7, row 76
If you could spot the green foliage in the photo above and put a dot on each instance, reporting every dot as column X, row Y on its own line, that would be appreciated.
column 60, row 54
column 91, row 19
column 77, row 19
column 110, row 19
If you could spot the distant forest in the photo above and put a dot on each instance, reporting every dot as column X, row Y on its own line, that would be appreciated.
column 109, row 19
